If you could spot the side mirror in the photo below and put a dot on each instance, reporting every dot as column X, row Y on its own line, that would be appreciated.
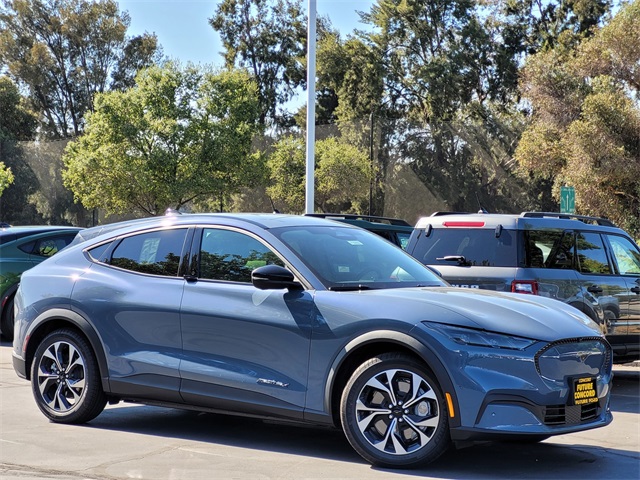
column 273, row 277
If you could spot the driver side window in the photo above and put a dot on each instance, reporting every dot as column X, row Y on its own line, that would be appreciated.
column 626, row 255
column 231, row 256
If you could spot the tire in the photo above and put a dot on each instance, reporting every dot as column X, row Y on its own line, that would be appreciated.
column 65, row 378
column 6, row 327
column 393, row 412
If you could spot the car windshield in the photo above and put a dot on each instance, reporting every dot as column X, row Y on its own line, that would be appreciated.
column 346, row 258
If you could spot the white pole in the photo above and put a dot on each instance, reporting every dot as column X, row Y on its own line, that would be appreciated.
column 311, row 106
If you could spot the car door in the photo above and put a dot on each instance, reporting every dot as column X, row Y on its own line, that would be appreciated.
column 597, row 278
column 242, row 345
column 132, row 295
column 626, row 258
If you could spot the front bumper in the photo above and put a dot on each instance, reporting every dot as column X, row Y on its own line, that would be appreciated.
column 511, row 417
column 547, row 388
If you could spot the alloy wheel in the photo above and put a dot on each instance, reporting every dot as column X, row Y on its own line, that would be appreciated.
column 397, row 411
column 61, row 376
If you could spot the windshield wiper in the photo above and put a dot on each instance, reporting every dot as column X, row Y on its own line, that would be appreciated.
column 349, row 288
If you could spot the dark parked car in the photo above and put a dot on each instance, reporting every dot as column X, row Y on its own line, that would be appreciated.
column 584, row 261
column 395, row 230
column 20, row 249
column 305, row 319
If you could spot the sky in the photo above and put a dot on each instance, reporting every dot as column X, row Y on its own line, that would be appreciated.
column 183, row 30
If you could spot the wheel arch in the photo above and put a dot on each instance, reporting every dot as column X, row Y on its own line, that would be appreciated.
column 367, row 346
column 56, row 319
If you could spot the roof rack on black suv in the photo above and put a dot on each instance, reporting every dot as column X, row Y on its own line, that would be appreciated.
column 354, row 216
column 566, row 216
column 584, row 261
column 570, row 216
column 395, row 230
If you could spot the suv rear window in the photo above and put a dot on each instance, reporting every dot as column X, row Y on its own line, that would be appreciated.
column 479, row 247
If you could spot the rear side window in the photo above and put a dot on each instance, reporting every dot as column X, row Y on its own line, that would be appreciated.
column 479, row 247
column 592, row 257
column 541, row 247
column 157, row 253
column 46, row 247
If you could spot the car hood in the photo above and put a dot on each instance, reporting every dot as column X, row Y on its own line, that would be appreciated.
column 514, row 314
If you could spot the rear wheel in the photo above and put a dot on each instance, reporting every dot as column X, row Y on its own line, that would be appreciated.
column 393, row 412
column 65, row 378
column 6, row 325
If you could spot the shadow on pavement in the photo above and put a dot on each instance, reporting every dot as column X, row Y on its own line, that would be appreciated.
column 490, row 460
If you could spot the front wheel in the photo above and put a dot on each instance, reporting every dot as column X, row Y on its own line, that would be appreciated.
column 393, row 412
column 65, row 378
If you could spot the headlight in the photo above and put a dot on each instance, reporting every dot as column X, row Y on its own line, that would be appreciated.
column 481, row 338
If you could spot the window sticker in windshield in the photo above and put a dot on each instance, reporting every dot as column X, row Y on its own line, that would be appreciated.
column 355, row 242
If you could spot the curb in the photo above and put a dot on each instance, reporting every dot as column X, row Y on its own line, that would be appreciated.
column 634, row 364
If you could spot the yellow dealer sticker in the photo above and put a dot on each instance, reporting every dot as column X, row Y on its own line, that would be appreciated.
column 584, row 391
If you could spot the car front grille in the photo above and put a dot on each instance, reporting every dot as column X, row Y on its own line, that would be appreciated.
column 570, row 357
column 562, row 362
column 570, row 414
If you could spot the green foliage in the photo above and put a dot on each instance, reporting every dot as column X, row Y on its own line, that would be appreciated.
column 442, row 72
column 531, row 26
column 343, row 175
column 354, row 70
column 177, row 136
column 287, row 169
column 16, row 121
column 268, row 39
column 6, row 177
column 64, row 51
column 586, row 124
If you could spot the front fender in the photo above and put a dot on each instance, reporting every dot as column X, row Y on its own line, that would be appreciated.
column 402, row 340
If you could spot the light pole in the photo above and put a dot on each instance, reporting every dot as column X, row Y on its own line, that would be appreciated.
column 311, row 107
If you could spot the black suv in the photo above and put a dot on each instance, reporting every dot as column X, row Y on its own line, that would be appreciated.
column 393, row 229
column 586, row 262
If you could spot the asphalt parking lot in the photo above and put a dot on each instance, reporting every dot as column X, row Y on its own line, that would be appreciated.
column 139, row 442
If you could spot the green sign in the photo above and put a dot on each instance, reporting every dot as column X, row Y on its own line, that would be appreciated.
column 567, row 200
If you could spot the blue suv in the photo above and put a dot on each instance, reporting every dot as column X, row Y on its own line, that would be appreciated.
column 305, row 319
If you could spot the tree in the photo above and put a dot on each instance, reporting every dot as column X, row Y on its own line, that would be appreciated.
column 268, row 38
column 354, row 71
column 17, row 124
column 65, row 51
column 530, row 26
column 444, row 73
column 343, row 176
column 585, row 128
column 6, row 177
column 178, row 135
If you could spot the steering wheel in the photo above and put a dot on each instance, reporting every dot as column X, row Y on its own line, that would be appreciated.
column 369, row 275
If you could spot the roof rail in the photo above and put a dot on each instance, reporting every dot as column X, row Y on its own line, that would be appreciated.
column 570, row 216
column 354, row 216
